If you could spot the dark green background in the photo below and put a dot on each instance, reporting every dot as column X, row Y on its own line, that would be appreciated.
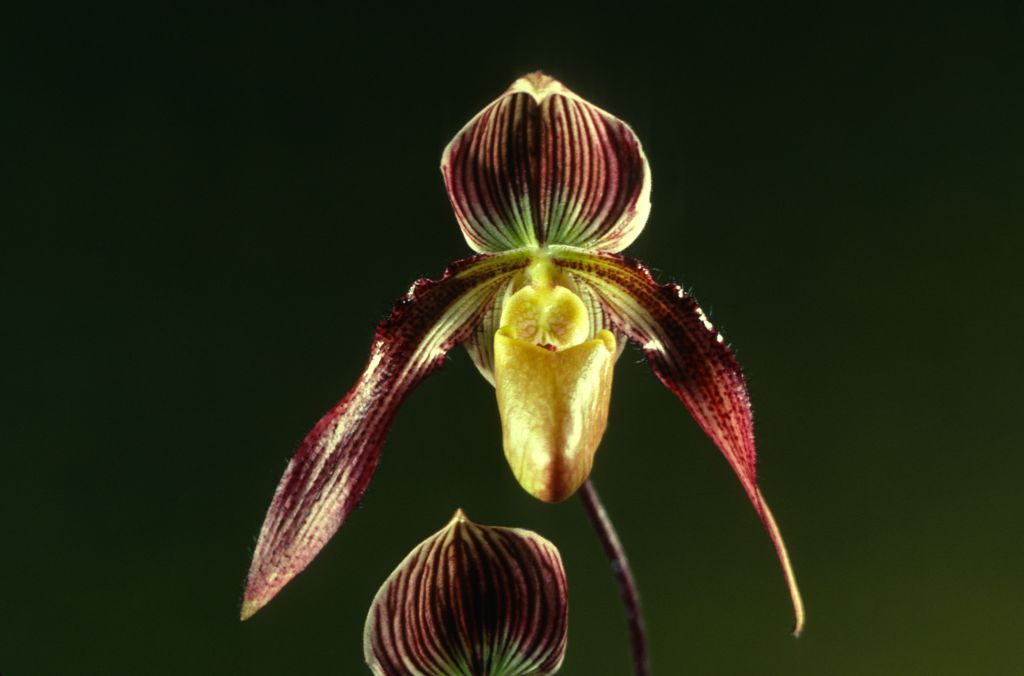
column 206, row 213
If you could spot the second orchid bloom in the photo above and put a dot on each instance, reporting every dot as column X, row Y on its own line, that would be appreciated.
column 547, row 189
column 471, row 599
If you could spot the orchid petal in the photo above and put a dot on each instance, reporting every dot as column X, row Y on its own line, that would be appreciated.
column 690, row 357
column 332, row 467
column 541, row 166
column 471, row 599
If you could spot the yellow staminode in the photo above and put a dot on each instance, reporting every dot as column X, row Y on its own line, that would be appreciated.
column 546, row 316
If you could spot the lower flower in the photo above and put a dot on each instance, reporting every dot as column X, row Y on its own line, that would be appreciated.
column 471, row 600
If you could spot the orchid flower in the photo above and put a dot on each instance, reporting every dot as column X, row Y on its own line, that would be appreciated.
column 471, row 599
column 547, row 189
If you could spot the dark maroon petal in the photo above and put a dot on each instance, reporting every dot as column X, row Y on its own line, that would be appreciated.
column 471, row 599
column 333, row 465
column 691, row 358
column 540, row 165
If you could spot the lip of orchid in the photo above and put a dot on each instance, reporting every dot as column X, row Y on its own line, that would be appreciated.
column 548, row 188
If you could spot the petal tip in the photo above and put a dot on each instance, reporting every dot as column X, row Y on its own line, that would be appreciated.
column 249, row 608
column 537, row 84
column 262, row 587
column 799, row 615
column 775, row 534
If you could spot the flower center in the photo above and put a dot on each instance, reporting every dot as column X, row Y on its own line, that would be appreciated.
column 549, row 316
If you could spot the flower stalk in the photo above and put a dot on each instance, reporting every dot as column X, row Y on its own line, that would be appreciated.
column 623, row 575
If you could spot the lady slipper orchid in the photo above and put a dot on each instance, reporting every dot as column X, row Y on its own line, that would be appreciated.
column 471, row 599
column 547, row 189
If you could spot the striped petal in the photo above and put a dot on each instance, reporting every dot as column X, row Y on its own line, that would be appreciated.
column 473, row 600
column 691, row 359
column 542, row 166
column 333, row 465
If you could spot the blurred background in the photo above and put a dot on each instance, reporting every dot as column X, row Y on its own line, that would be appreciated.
column 207, row 212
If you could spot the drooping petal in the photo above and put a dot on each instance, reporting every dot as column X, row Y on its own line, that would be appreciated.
column 333, row 465
column 540, row 165
column 690, row 357
column 471, row 599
